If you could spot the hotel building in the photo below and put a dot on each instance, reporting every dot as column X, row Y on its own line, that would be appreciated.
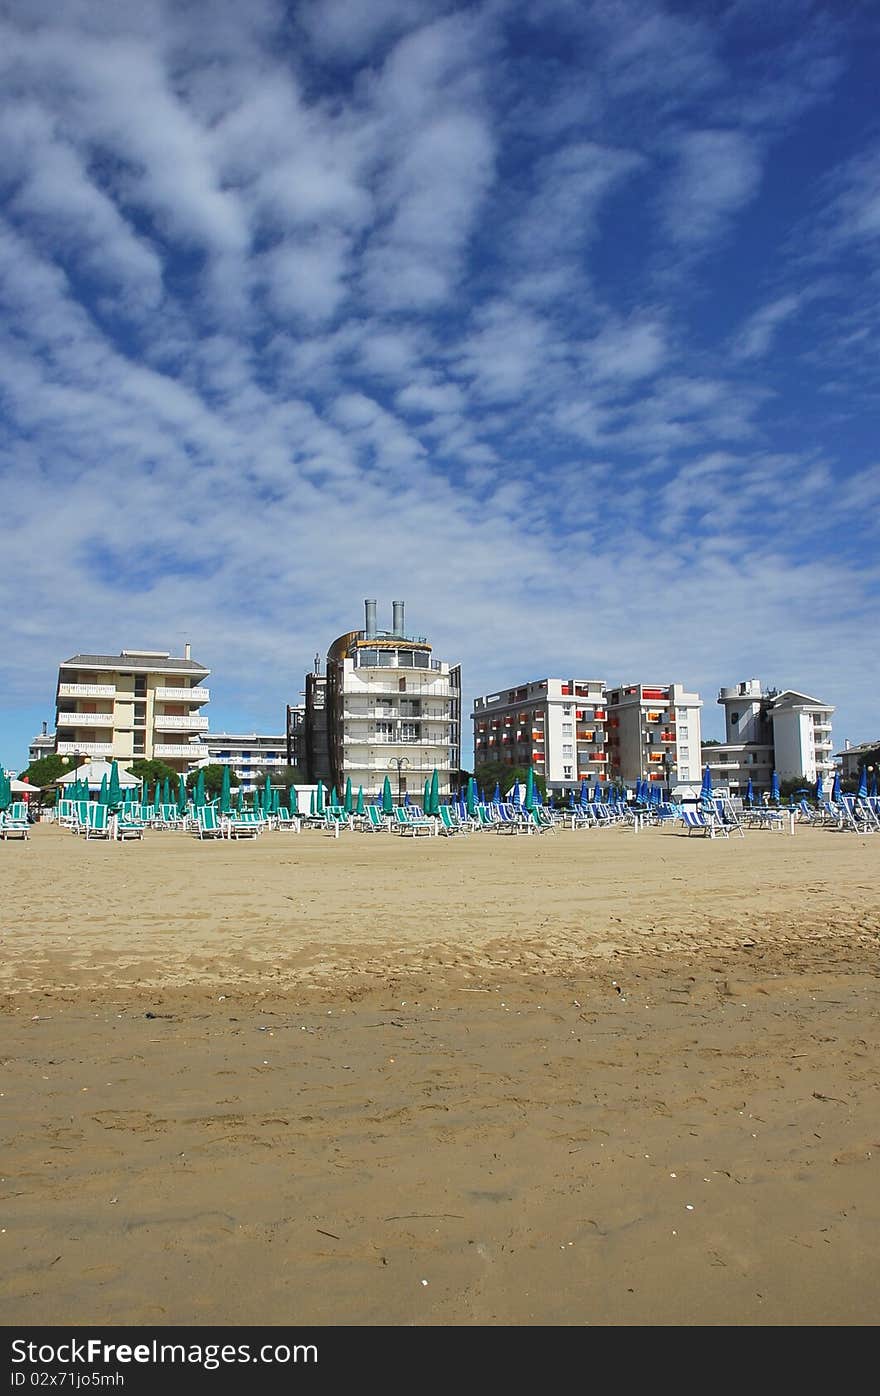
column 766, row 731
column 385, row 707
column 136, row 705
column 558, row 726
column 654, row 733
column 250, row 756
column 853, row 758
column 42, row 745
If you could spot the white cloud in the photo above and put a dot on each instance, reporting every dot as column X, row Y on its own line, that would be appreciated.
column 717, row 173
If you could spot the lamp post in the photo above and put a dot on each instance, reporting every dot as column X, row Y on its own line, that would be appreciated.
column 399, row 762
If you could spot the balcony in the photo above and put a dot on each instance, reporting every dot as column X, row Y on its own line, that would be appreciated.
column 85, row 719
column 193, row 749
column 190, row 722
column 394, row 714
column 86, row 690
column 183, row 695
column 85, row 748
column 377, row 739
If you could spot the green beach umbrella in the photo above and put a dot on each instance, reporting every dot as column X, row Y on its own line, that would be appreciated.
column 426, row 797
column 319, row 799
column 360, row 808
column 145, row 793
column 293, row 806
column 267, row 797
column 348, row 801
column 166, row 792
column 387, row 799
column 157, row 795
column 200, row 800
column 102, row 793
column 225, row 792
column 471, row 796
column 239, row 804
column 334, row 798
column 435, row 794
column 276, row 800
column 114, row 789
column 311, row 802
column 530, row 790
column 181, row 794
column 5, row 790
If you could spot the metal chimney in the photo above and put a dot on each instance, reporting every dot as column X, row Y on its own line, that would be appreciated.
column 397, row 625
column 370, row 616
column 187, row 650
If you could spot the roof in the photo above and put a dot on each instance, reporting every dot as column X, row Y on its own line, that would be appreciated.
column 93, row 771
column 131, row 661
column 793, row 697
column 862, row 746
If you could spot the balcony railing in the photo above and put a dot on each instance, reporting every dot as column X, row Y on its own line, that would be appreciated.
column 377, row 739
column 189, row 721
column 86, row 690
column 85, row 748
column 394, row 714
column 193, row 749
column 85, row 719
column 183, row 695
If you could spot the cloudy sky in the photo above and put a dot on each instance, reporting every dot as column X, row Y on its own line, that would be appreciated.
column 557, row 320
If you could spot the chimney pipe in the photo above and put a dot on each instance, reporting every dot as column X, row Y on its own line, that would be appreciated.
column 45, row 725
column 397, row 625
column 370, row 617
column 187, row 650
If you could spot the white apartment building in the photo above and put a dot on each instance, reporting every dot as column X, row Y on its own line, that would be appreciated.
column 389, row 709
column 555, row 725
column 854, row 757
column 138, row 704
column 767, row 730
column 43, row 744
column 654, row 733
column 250, row 756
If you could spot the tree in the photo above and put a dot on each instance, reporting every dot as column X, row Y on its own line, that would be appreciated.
column 151, row 771
column 47, row 770
column 499, row 772
column 712, row 741
column 213, row 778
column 280, row 776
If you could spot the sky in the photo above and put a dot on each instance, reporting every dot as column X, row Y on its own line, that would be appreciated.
column 557, row 320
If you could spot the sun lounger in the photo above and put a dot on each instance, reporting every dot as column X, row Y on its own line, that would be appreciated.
column 698, row 821
column 286, row 820
column 450, row 823
column 403, row 824
column 246, row 825
column 14, row 825
column 97, row 822
column 208, row 825
column 126, row 826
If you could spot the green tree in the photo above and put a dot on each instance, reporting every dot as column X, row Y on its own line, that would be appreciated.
column 47, row 770
column 213, row 779
column 151, row 771
column 499, row 772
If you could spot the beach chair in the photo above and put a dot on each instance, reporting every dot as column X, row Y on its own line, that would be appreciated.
column 246, row 825
column 286, row 820
column 698, row 821
column 726, row 815
column 14, row 825
column 403, row 824
column 97, row 822
column 126, row 825
column 449, row 824
column 374, row 822
column 208, row 826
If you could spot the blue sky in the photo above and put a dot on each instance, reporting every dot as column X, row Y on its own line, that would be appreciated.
column 558, row 321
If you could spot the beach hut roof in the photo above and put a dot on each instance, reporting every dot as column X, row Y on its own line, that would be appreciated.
column 94, row 772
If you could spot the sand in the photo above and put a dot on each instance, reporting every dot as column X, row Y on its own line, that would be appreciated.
column 587, row 1078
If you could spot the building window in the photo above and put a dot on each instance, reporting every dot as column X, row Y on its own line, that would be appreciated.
column 567, row 750
column 734, row 717
column 401, row 684
column 566, row 729
column 566, row 773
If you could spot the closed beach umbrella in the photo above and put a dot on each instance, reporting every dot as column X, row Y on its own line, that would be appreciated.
column 319, row 799
column 360, row 807
column 496, row 798
column 529, row 801
column 820, row 792
column 276, row 800
column 267, row 796
column 166, row 792
column 774, row 787
column 873, row 790
column 145, row 793
column 348, row 802
column 706, row 791
column 334, row 798
column 426, row 798
column 406, row 799
column 239, row 804
column 471, row 798
column 181, row 794
column 750, row 792
column 157, row 795
column 516, row 797
column 200, row 800
column 312, row 802
column 114, row 790
column 435, row 793
column 862, row 791
column 5, row 790
column 293, row 801
column 225, row 792
column 835, row 786
column 571, row 798
column 585, row 792
column 102, row 793
column 387, row 800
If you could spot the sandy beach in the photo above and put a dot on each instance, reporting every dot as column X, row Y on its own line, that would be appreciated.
column 587, row 1078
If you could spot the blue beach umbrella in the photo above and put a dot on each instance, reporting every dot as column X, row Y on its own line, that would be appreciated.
column 406, row 799
column 706, row 790
column 750, row 792
column 820, row 793
column 862, row 791
column 571, row 799
column 585, row 792
column 835, row 786
column 516, row 797
column 774, row 788
column 496, row 797
column 873, row 790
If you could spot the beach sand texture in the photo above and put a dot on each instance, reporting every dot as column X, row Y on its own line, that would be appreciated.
column 593, row 1077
